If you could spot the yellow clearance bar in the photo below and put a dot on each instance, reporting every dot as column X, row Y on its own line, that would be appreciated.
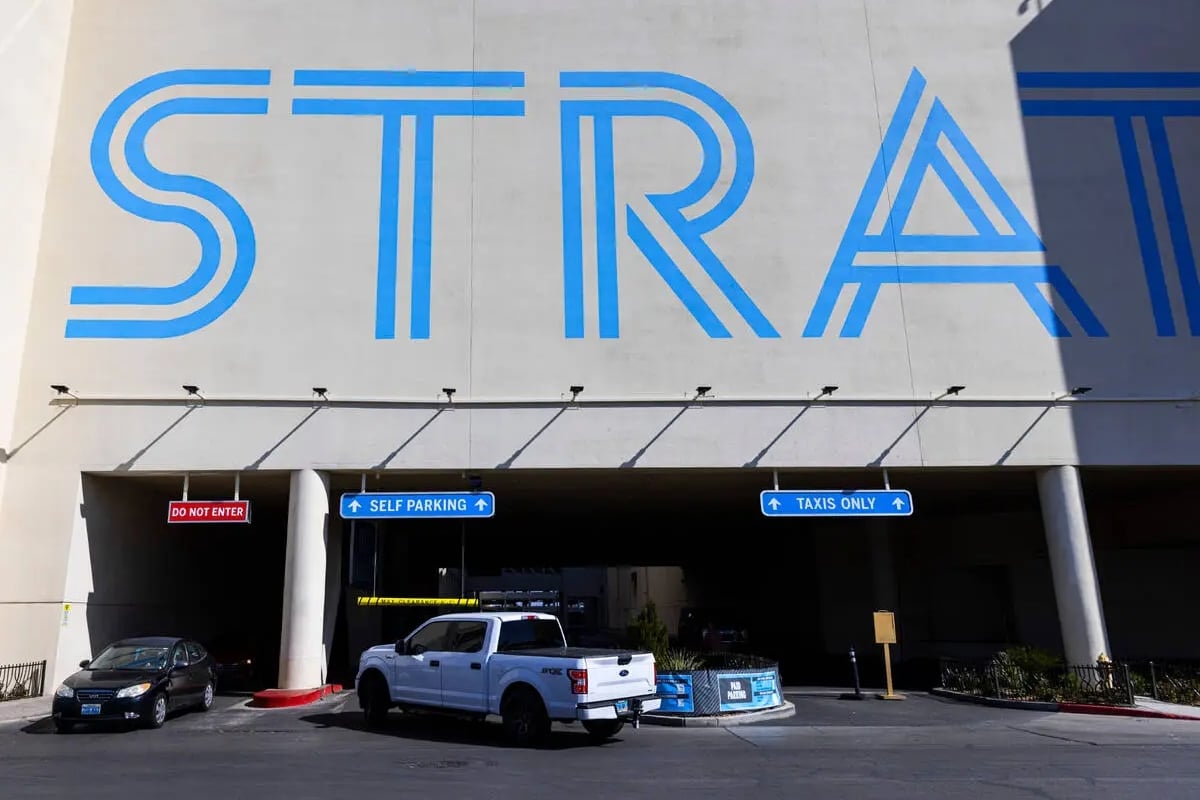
column 454, row 602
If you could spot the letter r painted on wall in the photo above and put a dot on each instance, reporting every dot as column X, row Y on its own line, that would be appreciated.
column 422, row 112
column 198, row 222
column 688, row 228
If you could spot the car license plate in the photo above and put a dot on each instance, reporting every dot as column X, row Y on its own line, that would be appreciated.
column 622, row 706
column 91, row 709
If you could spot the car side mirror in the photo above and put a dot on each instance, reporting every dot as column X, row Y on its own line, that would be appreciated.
column 84, row 664
column 401, row 647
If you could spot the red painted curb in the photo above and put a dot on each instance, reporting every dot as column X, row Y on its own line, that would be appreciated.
column 1114, row 711
column 286, row 698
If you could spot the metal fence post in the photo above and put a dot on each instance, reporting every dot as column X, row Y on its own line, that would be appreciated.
column 1153, row 682
column 1128, row 684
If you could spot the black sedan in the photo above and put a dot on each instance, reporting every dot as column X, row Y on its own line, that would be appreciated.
column 137, row 681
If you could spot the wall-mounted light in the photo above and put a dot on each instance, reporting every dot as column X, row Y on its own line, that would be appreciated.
column 575, row 392
column 320, row 391
column 1079, row 391
column 702, row 391
column 193, row 391
column 827, row 390
column 954, row 389
column 60, row 388
column 449, row 392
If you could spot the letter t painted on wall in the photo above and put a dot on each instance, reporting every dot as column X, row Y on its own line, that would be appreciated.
column 392, row 112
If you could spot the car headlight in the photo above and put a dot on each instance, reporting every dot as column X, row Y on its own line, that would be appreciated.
column 64, row 691
column 134, row 691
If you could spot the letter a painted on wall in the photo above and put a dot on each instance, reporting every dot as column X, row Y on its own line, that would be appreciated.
column 929, row 161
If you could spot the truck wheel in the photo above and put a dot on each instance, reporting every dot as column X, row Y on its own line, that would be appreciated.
column 601, row 729
column 524, row 718
column 375, row 702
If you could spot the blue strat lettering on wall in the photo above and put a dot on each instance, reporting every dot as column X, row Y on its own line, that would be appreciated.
column 987, row 239
column 202, row 226
column 673, row 208
column 423, row 113
column 1130, row 97
column 988, row 255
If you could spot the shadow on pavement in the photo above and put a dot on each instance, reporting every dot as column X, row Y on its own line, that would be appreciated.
column 431, row 728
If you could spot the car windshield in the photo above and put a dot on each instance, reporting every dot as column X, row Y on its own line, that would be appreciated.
column 527, row 634
column 130, row 656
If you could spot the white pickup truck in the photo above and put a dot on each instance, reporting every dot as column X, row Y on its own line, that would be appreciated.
column 514, row 665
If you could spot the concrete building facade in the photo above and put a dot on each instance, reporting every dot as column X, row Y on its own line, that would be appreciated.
column 826, row 238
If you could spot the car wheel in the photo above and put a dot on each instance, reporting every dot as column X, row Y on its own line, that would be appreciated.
column 62, row 726
column 601, row 729
column 206, row 700
column 375, row 702
column 158, row 711
column 524, row 719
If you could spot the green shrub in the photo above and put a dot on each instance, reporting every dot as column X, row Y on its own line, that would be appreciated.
column 648, row 632
column 679, row 661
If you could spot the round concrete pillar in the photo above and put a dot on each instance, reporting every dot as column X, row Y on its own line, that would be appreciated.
column 1076, row 586
column 301, row 651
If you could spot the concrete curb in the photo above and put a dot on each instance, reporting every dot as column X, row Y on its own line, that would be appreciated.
column 994, row 702
column 290, row 698
column 1066, row 708
column 723, row 721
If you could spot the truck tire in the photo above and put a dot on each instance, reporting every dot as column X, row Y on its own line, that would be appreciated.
column 375, row 701
column 601, row 729
column 524, row 718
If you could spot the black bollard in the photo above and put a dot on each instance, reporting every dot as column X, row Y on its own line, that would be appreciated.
column 858, row 695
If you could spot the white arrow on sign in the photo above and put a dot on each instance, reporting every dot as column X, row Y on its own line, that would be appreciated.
column 898, row 503
column 481, row 504
column 355, row 506
column 774, row 504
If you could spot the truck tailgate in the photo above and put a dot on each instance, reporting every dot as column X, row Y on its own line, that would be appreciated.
column 619, row 676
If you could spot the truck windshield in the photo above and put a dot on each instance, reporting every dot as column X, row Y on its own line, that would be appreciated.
column 528, row 634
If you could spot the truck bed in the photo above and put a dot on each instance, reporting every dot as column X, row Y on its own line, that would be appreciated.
column 571, row 652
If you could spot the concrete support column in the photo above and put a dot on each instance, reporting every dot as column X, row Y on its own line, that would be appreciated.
column 301, row 645
column 1076, row 587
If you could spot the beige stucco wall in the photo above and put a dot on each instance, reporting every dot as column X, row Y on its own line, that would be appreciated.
column 817, row 85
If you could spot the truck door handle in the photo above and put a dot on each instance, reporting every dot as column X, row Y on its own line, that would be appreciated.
column 476, row 665
column 435, row 663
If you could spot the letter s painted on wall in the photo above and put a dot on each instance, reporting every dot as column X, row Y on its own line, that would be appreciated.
column 202, row 226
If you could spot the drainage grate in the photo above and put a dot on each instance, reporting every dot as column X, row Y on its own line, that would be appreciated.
column 444, row 764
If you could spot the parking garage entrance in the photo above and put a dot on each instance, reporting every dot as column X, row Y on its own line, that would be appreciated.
column 217, row 580
column 967, row 574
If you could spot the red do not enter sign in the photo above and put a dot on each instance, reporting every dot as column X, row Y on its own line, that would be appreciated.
column 210, row 511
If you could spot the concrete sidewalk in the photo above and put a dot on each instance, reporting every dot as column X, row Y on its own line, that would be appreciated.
column 28, row 710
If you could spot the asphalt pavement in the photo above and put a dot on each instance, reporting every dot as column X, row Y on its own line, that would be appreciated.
column 923, row 747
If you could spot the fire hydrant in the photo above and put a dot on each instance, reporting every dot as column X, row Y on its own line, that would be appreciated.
column 1105, row 668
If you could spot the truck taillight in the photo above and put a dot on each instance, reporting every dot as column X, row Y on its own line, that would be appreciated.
column 578, row 681
column 655, row 675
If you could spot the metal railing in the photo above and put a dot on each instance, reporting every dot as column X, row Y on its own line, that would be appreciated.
column 19, row 681
column 1170, row 683
column 1099, row 684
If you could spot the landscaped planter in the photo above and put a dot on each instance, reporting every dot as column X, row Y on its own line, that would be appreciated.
column 727, row 685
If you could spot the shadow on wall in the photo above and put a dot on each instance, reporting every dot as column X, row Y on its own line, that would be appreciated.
column 221, row 584
column 1110, row 95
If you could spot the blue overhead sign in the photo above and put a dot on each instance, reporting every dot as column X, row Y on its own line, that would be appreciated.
column 418, row 505
column 837, row 503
